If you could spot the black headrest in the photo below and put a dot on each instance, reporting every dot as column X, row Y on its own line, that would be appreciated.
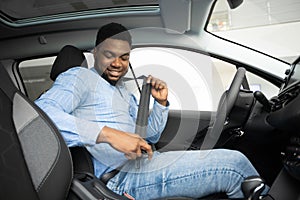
column 68, row 57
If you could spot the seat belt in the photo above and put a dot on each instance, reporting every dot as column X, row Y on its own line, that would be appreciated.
column 143, row 110
column 141, row 122
column 142, row 116
column 134, row 77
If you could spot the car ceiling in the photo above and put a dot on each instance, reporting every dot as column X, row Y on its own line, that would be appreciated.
column 49, row 34
column 135, row 16
column 37, row 37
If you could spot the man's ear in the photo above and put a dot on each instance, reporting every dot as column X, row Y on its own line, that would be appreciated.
column 94, row 52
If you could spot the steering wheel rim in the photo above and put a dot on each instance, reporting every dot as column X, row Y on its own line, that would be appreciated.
column 225, row 106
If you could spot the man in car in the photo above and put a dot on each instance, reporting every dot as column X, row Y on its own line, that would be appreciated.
column 92, row 108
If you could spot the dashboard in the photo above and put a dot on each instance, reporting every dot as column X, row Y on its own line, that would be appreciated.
column 285, row 108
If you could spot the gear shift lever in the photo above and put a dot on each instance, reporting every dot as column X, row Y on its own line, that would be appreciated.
column 252, row 187
column 261, row 98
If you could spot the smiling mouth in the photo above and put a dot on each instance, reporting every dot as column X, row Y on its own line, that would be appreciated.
column 114, row 73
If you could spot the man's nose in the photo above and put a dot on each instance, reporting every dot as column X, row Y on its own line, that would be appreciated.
column 116, row 62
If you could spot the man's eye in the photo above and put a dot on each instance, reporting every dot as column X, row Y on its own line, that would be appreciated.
column 108, row 56
column 125, row 58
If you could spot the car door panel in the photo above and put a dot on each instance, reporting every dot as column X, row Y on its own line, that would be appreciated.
column 184, row 130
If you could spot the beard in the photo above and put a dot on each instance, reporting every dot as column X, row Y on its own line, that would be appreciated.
column 105, row 77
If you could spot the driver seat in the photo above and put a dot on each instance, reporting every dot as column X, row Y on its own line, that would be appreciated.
column 70, row 56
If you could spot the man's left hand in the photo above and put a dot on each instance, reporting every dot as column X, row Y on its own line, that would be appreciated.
column 159, row 90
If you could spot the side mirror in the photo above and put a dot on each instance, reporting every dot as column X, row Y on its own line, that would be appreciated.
column 234, row 3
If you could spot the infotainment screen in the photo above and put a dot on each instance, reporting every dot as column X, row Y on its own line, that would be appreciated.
column 294, row 74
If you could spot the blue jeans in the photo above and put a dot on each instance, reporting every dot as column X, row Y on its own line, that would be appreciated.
column 184, row 173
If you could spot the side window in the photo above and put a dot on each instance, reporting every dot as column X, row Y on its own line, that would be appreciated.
column 35, row 74
column 195, row 81
column 226, row 73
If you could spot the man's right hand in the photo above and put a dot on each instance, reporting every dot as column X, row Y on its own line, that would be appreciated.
column 128, row 143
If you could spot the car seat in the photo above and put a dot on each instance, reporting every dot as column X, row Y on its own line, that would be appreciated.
column 69, row 56
column 35, row 161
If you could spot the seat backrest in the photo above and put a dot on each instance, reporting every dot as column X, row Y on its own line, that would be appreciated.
column 68, row 57
column 35, row 161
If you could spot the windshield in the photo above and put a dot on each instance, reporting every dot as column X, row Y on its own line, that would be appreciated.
column 269, row 26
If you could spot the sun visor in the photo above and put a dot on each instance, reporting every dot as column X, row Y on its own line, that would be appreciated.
column 176, row 15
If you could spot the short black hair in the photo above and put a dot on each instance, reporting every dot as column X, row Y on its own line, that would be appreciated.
column 113, row 30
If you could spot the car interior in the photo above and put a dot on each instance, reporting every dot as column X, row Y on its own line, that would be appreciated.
column 36, row 162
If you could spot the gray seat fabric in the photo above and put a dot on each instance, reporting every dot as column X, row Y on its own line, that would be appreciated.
column 70, row 56
column 35, row 161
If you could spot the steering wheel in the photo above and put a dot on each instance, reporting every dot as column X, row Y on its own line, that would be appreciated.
column 225, row 106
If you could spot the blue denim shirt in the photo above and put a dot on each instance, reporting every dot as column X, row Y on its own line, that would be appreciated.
column 81, row 103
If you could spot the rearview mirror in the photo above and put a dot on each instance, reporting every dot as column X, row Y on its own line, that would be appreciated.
column 234, row 3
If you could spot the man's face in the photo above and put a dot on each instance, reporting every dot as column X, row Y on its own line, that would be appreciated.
column 112, row 58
